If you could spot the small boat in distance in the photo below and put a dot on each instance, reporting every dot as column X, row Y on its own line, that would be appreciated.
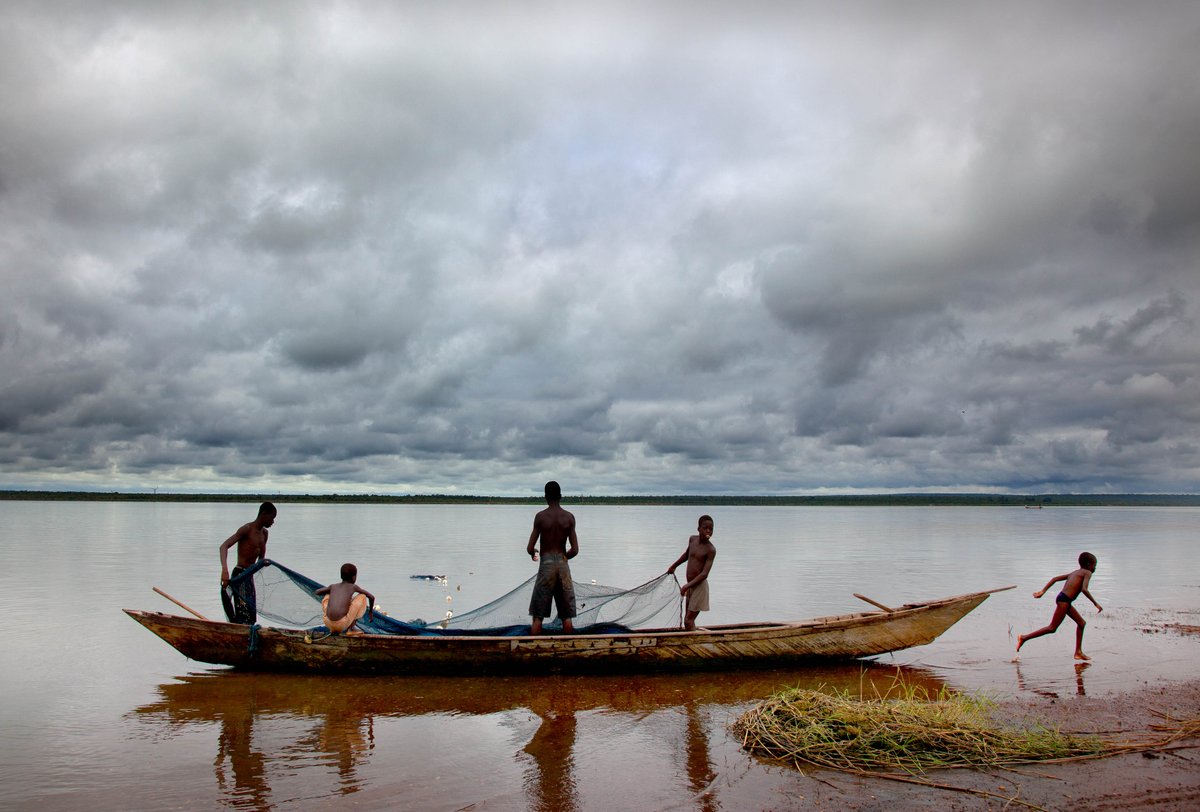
column 837, row 637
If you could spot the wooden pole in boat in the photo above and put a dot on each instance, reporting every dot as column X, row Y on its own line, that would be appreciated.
column 874, row 603
column 179, row 603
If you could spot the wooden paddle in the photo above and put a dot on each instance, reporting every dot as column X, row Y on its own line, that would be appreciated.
column 179, row 603
column 887, row 609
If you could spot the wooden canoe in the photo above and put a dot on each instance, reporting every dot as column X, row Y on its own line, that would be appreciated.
column 838, row 637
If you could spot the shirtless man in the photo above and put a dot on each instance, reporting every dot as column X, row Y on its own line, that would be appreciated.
column 239, row 599
column 556, row 529
column 699, row 555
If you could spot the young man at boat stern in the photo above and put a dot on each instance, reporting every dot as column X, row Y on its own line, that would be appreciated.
column 239, row 599
column 345, row 603
column 555, row 528
column 699, row 555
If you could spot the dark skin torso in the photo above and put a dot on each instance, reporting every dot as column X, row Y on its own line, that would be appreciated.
column 251, row 541
column 1075, row 583
column 340, row 595
column 700, row 554
column 556, row 529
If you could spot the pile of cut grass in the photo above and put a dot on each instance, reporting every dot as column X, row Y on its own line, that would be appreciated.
column 911, row 733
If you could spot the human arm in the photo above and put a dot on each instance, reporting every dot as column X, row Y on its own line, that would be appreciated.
column 572, row 542
column 225, row 545
column 370, row 602
column 1049, row 584
column 323, row 591
column 530, row 548
column 1087, row 579
column 678, row 561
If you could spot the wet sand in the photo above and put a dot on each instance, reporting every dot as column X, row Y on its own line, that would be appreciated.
column 1163, row 780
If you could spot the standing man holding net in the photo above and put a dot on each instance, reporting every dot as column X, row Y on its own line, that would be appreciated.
column 555, row 528
column 237, row 594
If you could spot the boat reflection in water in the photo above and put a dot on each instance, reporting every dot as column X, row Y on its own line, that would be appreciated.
column 511, row 742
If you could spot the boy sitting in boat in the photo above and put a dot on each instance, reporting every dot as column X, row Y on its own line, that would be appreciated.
column 346, row 602
column 699, row 555
column 1076, row 582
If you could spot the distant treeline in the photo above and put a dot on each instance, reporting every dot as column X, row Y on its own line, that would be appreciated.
column 856, row 500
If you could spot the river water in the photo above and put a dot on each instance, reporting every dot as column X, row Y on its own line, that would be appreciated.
column 97, row 713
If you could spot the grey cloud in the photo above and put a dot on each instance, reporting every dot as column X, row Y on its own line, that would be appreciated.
column 320, row 352
column 1121, row 338
column 1034, row 353
column 857, row 313
column 31, row 401
column 779, row 248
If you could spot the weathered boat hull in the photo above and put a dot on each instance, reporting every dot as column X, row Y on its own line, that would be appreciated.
column 843, row 637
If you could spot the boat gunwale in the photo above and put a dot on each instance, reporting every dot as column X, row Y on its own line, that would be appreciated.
column 717, row 632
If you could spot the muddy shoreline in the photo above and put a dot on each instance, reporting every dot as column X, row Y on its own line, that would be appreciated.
column 1164, row 780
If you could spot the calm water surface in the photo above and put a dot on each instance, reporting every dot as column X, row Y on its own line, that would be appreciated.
column 97, row 713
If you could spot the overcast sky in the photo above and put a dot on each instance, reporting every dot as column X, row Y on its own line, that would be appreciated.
column 643, row 248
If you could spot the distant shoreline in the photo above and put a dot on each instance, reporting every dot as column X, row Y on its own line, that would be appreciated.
column 848, row 500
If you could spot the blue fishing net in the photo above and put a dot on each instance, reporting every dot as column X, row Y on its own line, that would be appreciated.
column 287, row 598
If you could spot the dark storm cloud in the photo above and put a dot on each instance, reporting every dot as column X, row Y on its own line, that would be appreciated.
column 1120, row 339
column 317, row 351
column 664, row 248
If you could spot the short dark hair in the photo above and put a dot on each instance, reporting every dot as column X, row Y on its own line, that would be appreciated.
column 553, row 491
column 349, row 572
column 1087, row 561
column 267, row 507
column 703, row 519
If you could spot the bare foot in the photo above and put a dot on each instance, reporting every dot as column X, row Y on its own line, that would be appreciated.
column 1020, row 641
column 355, row 633
column 1079, row 655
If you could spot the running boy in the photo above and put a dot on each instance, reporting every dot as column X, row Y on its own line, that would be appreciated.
column 699, row 555
column 346, row 602
column 1076, row 582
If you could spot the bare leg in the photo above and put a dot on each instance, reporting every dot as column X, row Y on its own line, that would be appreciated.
column 689, row 621
column 568, row 626
column 536, row 626
column 1080, row 623
column 1060, row 611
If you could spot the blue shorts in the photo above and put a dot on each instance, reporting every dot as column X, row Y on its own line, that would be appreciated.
column 1062, row 598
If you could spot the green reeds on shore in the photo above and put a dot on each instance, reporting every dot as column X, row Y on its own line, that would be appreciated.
column 909, row 733
column 904, row 732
